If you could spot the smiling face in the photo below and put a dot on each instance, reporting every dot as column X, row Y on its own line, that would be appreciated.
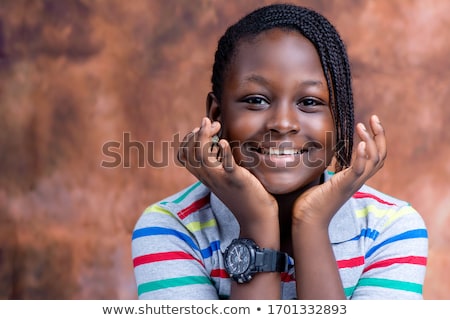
column 274, row 111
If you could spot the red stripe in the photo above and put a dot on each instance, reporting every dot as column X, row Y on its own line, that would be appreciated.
column 193, row 207
column 351, row 263
column 360, row 195
column 156, row 257
column 219, row 273
column 286, row 277
column 385, row 263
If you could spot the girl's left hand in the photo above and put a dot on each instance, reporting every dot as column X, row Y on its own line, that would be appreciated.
column 319, row 204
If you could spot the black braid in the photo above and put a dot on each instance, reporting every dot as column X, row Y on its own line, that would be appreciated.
column 331, row 50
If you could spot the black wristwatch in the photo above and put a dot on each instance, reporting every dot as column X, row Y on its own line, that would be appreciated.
column 243, row 259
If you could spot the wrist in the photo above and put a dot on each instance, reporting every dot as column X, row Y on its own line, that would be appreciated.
column 244, row 259
column 305, row 219
column 265, row 233
column 310, row 226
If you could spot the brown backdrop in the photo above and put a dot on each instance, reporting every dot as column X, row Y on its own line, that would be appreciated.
column 78, row 76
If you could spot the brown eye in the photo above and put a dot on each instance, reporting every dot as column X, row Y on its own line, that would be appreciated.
column 310, row 104
column 256, row 100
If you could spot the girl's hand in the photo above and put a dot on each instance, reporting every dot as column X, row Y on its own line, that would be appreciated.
column 318, row 204
column 214, row 165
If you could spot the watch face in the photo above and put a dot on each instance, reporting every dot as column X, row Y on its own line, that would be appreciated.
column 238, row 259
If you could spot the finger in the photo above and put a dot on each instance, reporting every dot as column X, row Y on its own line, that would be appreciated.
column 213, row 154
column 208, row 149
column 379, row 136
column 359, row 163
column 208, row 129
column 192, row 161
column 204, row 128
column 371, row 149
column 205, row 138
column 226, row 156
column 201, row 140
column 182, row 150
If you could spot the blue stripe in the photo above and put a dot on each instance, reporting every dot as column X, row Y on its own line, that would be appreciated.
column 367, row 233
column 155, row 231
column 207, row 252
column 412, row 234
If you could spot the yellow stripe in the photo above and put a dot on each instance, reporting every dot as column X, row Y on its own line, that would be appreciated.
column 195, row 226
column 402, row 212
column 157, row 208
column 379, row 213
column 364, row 212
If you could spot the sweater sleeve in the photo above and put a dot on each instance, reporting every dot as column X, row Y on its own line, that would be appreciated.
column 395, row 257
column 167, row 260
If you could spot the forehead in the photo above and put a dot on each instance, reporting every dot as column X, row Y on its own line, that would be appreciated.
column 279, row 50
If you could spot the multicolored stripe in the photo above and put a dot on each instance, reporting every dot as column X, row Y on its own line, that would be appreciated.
column 190, row 220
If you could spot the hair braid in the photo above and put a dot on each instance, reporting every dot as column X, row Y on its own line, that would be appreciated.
column 330, row 48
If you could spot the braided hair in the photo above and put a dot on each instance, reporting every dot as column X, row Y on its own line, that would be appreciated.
column 330, row 48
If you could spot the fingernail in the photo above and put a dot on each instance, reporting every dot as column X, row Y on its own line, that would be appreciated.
column 377, row 119
column 363, row 126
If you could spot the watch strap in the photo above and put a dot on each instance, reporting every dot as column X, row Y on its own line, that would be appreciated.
column 268, row 260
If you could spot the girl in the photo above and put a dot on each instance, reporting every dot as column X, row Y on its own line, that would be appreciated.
column 281, row 210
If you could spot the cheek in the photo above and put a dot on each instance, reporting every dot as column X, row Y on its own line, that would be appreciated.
column 321, row 130
column 320, row 127
column 328, row 137
column 240, row 128
column 237, row 131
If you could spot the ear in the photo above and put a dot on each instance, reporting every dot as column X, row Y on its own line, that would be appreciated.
column 213, row 107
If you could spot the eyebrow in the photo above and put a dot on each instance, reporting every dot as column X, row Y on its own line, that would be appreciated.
column 256, row 78
column 312, row 83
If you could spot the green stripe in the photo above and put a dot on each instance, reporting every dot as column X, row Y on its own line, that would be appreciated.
column 173, row 282
column 349, row 291
column 391, row 284
column 184, row 195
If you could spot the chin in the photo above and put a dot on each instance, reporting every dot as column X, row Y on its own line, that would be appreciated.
column 280, row 184
column 278, row 191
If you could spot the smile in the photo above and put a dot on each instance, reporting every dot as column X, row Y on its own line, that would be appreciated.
column 280, row 151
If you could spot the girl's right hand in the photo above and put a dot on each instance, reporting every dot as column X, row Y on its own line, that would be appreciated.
column 213, row 164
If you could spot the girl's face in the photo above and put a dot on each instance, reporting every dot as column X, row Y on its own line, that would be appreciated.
column 275, row 111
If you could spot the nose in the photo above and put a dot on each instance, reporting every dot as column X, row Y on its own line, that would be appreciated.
column 283, row 119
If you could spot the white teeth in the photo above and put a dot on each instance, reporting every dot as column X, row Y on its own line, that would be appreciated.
column 280, row 152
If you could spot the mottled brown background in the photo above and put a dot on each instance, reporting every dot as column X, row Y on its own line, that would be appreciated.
column 76, row 74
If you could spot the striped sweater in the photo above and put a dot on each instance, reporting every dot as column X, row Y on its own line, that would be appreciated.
column 380, row 244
